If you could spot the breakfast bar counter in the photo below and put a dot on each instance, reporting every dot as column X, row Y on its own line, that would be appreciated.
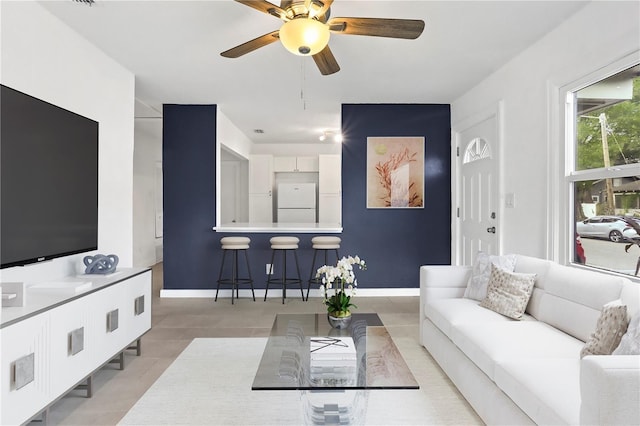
column 293, row 228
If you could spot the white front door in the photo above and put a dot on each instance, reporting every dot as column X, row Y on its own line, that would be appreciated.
column 477, row 165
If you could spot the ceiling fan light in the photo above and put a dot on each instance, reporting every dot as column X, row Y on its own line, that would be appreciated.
column 304, row 36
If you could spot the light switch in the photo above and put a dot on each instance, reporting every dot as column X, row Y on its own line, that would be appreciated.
column 510, row 200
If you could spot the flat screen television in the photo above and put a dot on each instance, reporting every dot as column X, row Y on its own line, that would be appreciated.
column 48, row 180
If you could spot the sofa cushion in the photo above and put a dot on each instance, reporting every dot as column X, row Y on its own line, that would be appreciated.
column 533, row 265
column 573, row 299
column 610, row 390
column 491, row 343
column 508, row 293
column 477, row 285
column 611, row 326
column 630, row 342
column 446, row 312
column 547, row 389
column 630, row 296
column 540, row 267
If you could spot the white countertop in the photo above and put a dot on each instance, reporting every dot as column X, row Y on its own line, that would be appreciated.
column 293, row 228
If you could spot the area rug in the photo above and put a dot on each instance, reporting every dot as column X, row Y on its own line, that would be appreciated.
column 210, row 384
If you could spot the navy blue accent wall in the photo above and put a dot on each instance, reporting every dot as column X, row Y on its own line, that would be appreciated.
column 394, row 242
column 189, row 179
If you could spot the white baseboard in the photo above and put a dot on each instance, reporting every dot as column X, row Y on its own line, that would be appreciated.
column 291, row 293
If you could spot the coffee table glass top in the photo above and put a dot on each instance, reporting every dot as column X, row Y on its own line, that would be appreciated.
column 303, row 352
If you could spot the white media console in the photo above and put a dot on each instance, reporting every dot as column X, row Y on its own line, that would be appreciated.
column 64, row 333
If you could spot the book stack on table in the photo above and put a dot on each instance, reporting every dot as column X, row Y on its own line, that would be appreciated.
column 333, row 361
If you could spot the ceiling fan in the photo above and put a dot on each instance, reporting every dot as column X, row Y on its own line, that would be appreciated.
column 307, row 27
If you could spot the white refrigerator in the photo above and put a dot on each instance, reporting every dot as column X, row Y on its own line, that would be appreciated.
column 296, row 203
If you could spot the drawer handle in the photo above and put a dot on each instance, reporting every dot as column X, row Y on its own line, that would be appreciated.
column 139, row 305
column 23, row 371
column 76, row 341
column 112, row 321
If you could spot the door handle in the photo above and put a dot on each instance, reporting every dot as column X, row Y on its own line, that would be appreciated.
column 491, row 230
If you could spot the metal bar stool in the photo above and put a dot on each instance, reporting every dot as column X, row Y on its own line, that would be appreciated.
column 325, row 244
column 284, row 245
column 235, row 244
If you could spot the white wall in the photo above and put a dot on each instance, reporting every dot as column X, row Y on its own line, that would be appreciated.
column 147, row 156
column 46, row 59
column 231, row 137
column 532, row 159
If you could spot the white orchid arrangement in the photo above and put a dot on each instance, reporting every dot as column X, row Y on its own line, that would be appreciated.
column 334, row 279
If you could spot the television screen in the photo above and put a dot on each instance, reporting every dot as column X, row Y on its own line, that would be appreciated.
column 48, row 180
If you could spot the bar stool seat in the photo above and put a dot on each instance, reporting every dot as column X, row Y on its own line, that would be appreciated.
column 283, row 245
column 324, row 244
column 235, row 245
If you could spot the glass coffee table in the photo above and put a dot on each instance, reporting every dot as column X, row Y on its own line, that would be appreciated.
column 291, row 362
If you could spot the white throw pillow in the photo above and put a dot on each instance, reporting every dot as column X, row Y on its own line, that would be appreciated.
column 508, row 292
column 477, row 284
column 630, row 342
column 611, row 326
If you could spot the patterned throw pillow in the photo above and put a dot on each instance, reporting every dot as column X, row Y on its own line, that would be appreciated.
column 630, row 342
column 611, row 326
column 477, row 284
column 508, row 292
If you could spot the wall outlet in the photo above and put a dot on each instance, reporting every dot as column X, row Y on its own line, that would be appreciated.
column 269, row 269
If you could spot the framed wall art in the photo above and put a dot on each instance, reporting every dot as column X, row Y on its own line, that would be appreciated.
column 395, row 172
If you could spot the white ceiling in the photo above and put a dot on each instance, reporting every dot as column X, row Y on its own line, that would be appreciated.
column 173, row 48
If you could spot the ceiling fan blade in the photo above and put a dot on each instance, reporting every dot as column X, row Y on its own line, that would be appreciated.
column 251, row 45
column 266, row 7
column 326, row 62
column 285, row 4
column 379, row 27
column 326, row 4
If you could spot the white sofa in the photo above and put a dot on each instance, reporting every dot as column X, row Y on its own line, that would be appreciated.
column 530, row 371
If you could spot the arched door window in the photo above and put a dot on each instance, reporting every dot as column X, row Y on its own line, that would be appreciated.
column 476, row 150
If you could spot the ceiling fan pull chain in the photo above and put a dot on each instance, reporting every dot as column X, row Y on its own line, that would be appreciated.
column 302, row 83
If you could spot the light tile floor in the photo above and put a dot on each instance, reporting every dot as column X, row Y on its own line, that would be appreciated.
column 176, row 321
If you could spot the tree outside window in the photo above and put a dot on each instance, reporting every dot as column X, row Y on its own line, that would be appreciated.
column 606, row 172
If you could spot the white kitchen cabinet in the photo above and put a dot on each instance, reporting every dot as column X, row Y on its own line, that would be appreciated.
column 330, row 189
column 260, row 188
column 260, row 208
column 295, row 164
column 307, row 164
column 284, row 164
column 60, row 338
column 330, row 209
column 330, row 174
column 260, row 174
